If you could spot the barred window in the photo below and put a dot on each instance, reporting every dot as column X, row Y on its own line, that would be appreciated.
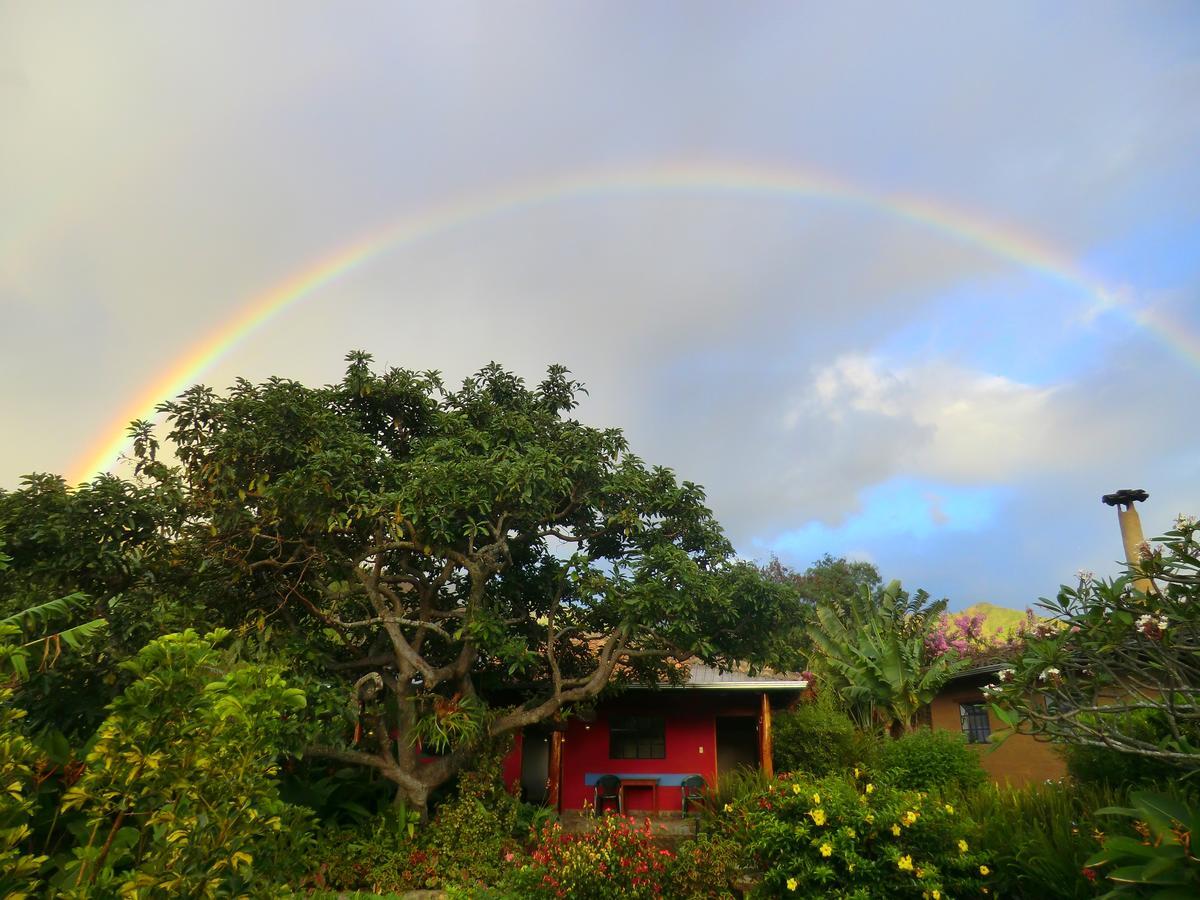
column 637, row 737
column 975, row 725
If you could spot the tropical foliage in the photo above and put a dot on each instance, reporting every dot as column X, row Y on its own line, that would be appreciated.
column 872, row 653
column 850, row 836
column 1165, row 860
column 1118, row 667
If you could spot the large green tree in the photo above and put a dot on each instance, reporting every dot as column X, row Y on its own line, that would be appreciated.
column 452, row 564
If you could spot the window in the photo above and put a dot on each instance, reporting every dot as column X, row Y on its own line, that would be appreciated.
column 975, row 724
column 637, row 737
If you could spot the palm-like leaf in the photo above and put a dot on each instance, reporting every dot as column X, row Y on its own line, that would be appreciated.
column 873, row 649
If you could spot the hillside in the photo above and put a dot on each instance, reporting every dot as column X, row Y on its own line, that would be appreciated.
column 997, row 616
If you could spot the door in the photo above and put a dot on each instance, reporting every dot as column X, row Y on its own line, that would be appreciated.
column 535, row 765
column 737, row 743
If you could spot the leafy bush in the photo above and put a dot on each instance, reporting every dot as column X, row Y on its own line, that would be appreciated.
column 926, row 759
column 615, row 859
column 18, row 759
column 704, row 867
column 734, row 786
column 1100, row 765
column 819, row 739
column 848, row 837
column 1040, row 837
column 1164, row 858
column 178, row 792
column 472, row 841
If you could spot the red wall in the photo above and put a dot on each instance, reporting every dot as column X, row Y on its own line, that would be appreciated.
column 691, row 735
column 512, row 766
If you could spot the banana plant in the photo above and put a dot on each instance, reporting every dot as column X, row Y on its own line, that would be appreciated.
column 872, row 650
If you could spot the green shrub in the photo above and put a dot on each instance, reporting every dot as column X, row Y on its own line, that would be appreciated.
column 1100, row 765
column 178, row 795
column 847, row 837
column 735, row 785
column 923, row 760
column 473, row 840
column 1164, row 859
column 1040, row 836
column 614, row 859
column 704, row 867
column 819, row 739
column 18, row 761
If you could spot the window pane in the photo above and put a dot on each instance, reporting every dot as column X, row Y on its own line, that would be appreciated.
column 637, row 737
column 975, row 723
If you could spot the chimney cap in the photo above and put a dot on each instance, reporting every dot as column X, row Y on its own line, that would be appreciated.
column 1125, row 498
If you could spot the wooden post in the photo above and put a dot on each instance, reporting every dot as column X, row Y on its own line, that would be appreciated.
column 765, row 743
column 554, row 773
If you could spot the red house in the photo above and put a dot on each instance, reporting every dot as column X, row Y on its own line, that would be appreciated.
column 653, row 738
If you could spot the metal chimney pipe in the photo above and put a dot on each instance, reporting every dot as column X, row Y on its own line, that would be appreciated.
column 1131, row 529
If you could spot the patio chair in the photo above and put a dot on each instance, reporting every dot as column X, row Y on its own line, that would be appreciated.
column 608, row 787
column 691, row 789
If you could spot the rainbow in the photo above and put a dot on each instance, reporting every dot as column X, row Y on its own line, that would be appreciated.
column 1001, row 240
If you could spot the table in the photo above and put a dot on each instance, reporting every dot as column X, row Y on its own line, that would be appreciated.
column 651, row 783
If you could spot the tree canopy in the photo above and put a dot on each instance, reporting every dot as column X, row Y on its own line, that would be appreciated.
column 439, row 566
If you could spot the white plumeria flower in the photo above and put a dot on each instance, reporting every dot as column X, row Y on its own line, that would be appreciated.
column 1143, row 621
column 1006, row 674
column 1085, row 577
column 1049, row 673
column 1184, row 522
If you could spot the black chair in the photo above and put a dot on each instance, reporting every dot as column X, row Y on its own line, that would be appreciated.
column 692, row 790
column 608, row 787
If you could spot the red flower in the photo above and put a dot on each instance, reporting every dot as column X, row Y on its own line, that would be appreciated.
column 1089, row 873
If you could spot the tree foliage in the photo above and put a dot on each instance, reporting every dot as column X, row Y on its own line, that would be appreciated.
column 419, row 552
column 1116, row 666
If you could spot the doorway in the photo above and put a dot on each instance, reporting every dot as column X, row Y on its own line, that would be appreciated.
column 737, row 743
column 535, row 765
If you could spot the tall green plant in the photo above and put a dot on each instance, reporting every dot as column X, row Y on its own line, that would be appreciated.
column 178, row 793
column 871, row 650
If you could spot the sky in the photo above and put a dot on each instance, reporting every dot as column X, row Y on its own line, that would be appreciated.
column 909, row 283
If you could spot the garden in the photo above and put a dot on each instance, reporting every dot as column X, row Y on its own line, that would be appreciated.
column 290, row 653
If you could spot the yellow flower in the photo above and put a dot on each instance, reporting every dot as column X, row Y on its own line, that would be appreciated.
column 936, row 895
column 984, row 870
column 728, row 807
column 904, row 863
column 949, row 809
column 818, row 816
column 850, row 866
column 920, row 873
column 870, row 818
column 816, row 799
column 792, row 884
column 796, row 789
column 850, row 832
column 909, row 817
column 896, row 830
column 826, row 850
column 962, row 846
column 856, row 772
column 870, row 788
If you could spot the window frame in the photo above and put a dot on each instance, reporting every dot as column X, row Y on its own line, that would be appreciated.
column 969, row 718
column 637, row 737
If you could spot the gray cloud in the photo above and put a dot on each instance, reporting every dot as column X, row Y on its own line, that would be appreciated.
column 161, row 165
